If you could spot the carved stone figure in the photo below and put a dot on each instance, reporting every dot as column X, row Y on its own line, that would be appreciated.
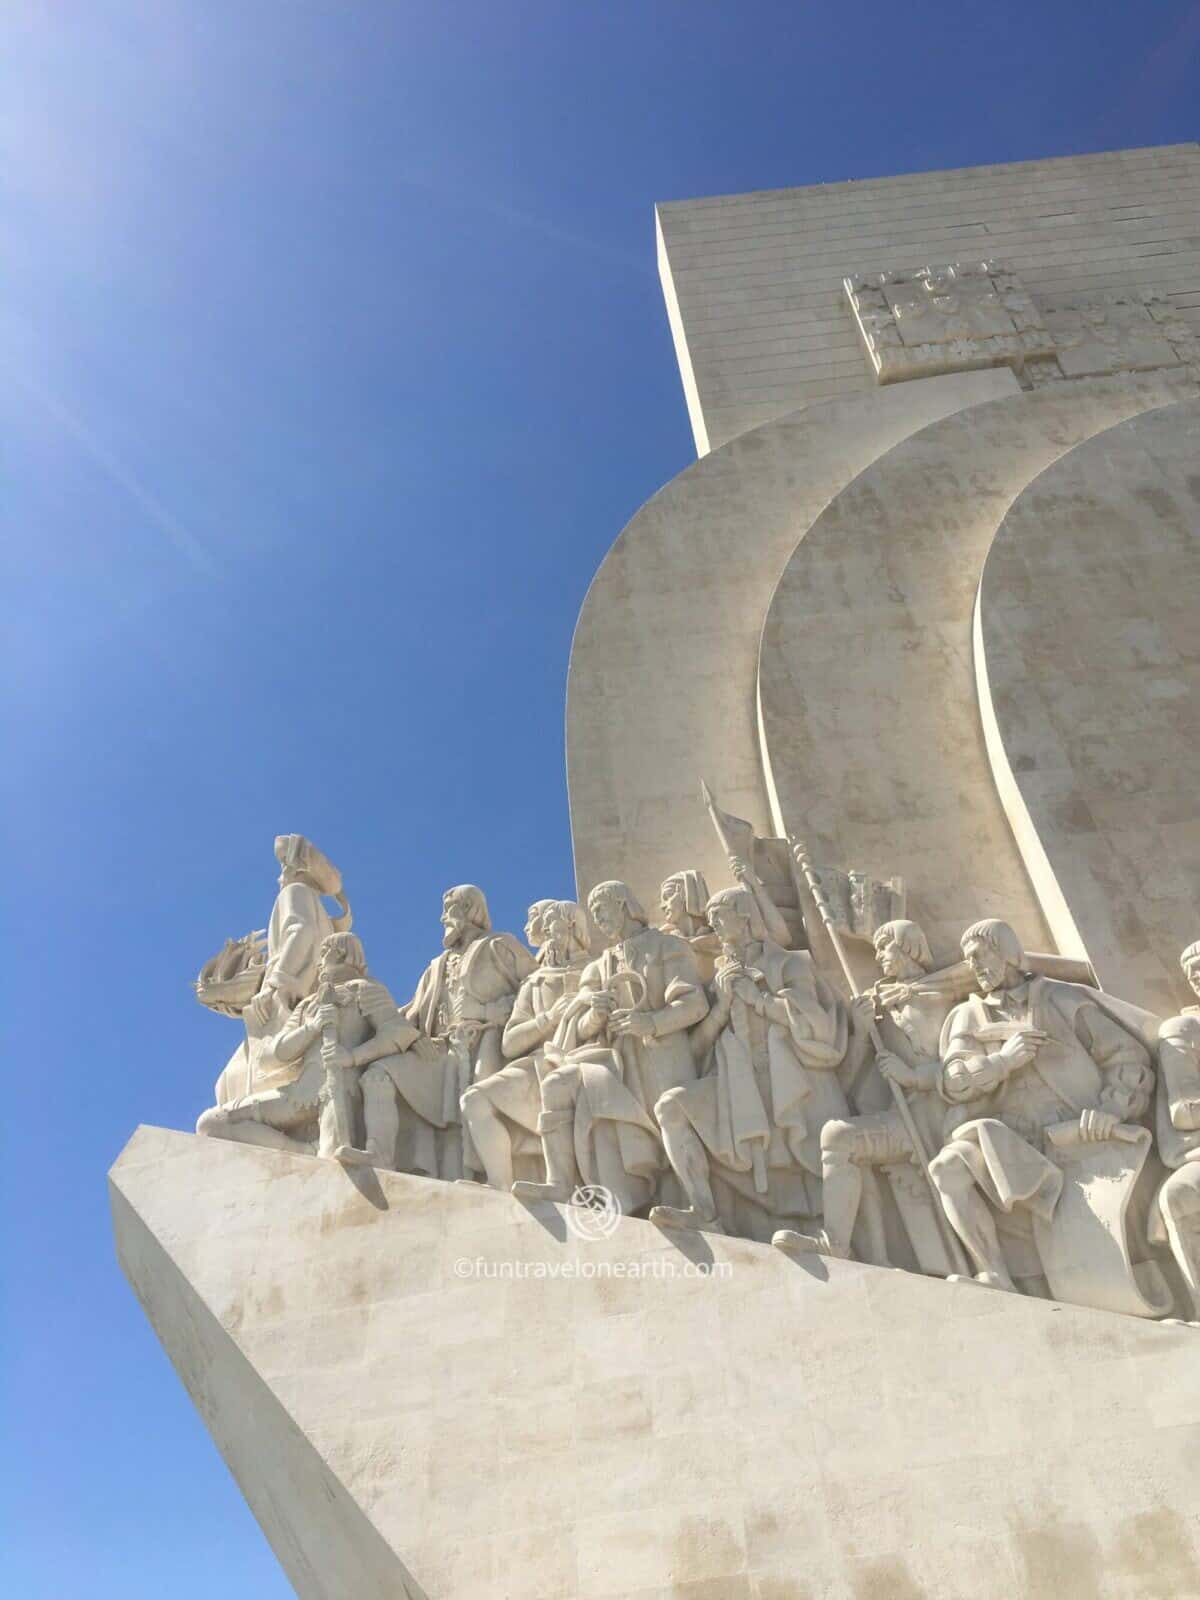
column 909, row 1022
column 350, row 1021
column 260, row 977
column 502, row 1111
column 298, row 927
column 1033, row 1067
column 1175, row 1216
column 772, row 918
column 535, row 932
column 772, row 1038
column 461, row 1005
column 684, row 896
column 620, row 1045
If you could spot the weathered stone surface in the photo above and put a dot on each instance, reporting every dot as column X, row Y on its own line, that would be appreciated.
column 793, row 1431
column 661, row 690
column 867, row 697
column 948, row 318
column 1091, row 654
column 754, row 282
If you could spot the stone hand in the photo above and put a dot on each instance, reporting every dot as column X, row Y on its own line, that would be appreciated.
column 740, row 868
column 262, row 1008
column 326, row 1016
column 336, row 1056
column 602, row 1000
column 745, row 989
column 894, row 994
column 725, row 976
column 1096, row 1126
column 862, row 1008
column 638, row 1023
column 897, row 1071
column 1020, row 1050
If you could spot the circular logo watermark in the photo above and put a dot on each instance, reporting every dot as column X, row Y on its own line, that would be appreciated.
column 594, row 1212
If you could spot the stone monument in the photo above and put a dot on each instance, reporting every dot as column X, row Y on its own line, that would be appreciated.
column 831, row 1229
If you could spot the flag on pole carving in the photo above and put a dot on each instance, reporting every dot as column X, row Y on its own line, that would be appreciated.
column 858, row 903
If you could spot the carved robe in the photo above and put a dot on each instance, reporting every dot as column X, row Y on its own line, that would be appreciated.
column 616, row 1082
column 773, row 1085
column 515, row 1090
column 299, row 923
column 479, row 983
column 292, row 1060
column 998, row 1123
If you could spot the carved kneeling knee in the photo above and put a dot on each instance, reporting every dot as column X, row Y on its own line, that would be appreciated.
column 558, row 1090
column 668, row 1107
column 950, row 1172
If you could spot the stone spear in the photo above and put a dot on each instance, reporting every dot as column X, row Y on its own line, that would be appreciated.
column 954, row 1249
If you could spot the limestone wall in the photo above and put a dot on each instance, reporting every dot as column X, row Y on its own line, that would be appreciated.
column 754, row 281
column 1088, row 627
column 662, row 685
column 786, row 1432
column 870, row 720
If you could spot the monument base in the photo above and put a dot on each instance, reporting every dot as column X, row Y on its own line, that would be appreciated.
column 429, row 1391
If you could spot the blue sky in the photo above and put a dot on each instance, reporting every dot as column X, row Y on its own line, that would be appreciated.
column 334, row 359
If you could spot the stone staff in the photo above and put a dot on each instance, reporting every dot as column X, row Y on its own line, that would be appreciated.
column 954, row 1249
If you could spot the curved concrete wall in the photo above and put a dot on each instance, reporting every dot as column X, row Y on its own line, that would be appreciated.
column 661, row 689
column 1089, row 627
column 869, row 718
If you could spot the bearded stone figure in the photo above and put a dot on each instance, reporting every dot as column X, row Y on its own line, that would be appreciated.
column 465, row 997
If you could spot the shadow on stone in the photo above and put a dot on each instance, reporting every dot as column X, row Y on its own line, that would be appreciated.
column 690, row 1242
column 813, row 1265
column 366, row 1181
column 546, row 1215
